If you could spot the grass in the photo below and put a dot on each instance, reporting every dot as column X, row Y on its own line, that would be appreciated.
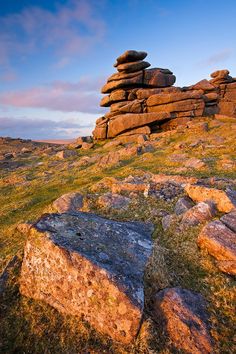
column 26, row 192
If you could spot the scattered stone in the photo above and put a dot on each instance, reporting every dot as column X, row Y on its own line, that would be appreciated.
column 111, row 144
column 220, row 242
column 195, row 163
column 25, row 150
column 184, row 317
column 142, row 139
column 24, row 227
column 8, row 156
column 199, row 213
column 230, row 220
column 183, row 204
column 64, row 154
column 68, row 202
column 114, row 201
column 84, row 139
column 225, row 201
column 89, row 266
column 167, row 221
column 87, row 146
column 176, row 179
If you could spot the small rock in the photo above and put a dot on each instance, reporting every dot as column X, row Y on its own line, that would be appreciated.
column 8, row 156
column 220, row 242
column 111, row 144
column 84, row 139
column 182, row 205
column 183, row 314
column 167, row 221
column 87, row 146
column 141, row 139
column 194, row 163
column 199, row 213
column 25, row 150
column 114, row 201
column 24, row 227
column 68, row 202
column 230, row 220
column 224, row 200
column 64, row 154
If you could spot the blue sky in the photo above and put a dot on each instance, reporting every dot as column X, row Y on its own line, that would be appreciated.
column 55, row 55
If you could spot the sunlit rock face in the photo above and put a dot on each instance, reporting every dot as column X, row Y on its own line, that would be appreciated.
column 141, row 96
column 88, row 266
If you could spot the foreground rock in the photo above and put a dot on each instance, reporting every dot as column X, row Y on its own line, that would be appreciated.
column 89, row 266
column 183, row 314
column 220, row 242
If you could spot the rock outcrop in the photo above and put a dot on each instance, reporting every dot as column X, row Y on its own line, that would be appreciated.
column 88, row 266
column 141, row 98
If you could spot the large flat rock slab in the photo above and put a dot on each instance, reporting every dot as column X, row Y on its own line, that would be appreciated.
column 89, row 266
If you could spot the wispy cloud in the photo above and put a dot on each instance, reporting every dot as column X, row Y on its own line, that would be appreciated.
column 42, row 128
column 82, row 96
column 216, row 58
column 73, row 28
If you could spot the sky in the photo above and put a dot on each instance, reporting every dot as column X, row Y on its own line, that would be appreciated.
column 56, row 55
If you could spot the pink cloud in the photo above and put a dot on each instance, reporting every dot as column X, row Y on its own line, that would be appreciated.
column 72, row 29
column 82, row 96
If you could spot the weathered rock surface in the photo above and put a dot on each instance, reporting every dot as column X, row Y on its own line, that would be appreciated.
column 89, row 266
column 230, row 220
column 224, row 200
column 136, row 89
column 114, row 201
column 133, row 66
column 68, row 202
column 184, row 317
column 64, row 154
column 220, row 242
column 199, row 213
column 163, row 98
column 129, row 56
column 130, row 121
column 183, row 204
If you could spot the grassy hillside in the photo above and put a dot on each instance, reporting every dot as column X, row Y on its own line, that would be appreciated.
column 30, row 182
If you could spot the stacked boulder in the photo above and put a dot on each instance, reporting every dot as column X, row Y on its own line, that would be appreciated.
column 226, row 88
column 143, row 100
